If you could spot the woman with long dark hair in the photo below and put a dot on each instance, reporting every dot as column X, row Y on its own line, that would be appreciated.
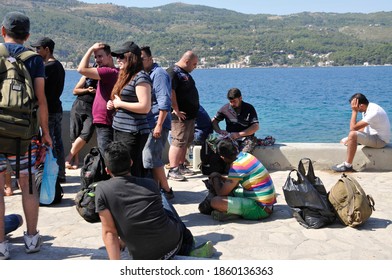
column 131, row 98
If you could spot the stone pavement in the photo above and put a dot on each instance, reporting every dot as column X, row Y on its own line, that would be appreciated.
column 280, row 237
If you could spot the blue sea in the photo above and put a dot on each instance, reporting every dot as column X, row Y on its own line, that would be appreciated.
column 293, row 104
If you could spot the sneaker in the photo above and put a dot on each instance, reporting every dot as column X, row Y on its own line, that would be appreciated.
column 169, row 195
column 4, row 250
column 32, row 242
column 205, row 250
column 205, row 206
column 185, row 170
column 223, row 217
column 342, row 168
column 174, row 174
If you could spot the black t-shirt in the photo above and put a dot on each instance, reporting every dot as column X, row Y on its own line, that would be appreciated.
column 54, row 85
column 186, row 91
column 141, row 221
column 237, row 119
column 88, row 97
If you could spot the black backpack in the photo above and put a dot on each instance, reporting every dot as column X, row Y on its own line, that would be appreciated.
column 85, row 204
column 38, row 181
column 93, row 169
column 211, row 161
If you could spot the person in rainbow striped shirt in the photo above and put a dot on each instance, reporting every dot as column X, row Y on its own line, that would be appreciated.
column 247, row 192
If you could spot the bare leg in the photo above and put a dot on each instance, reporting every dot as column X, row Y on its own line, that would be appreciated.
column 352, row 145
column 2, row 209
column 30, row 204
column 8, row 184
column 77, row 145
column 175, row 154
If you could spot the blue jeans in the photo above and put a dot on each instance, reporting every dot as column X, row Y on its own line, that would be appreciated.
column 11, row 223
column 58, row 147
column 187, row 242
column 104, row 136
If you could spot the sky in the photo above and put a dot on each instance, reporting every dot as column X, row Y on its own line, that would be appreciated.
column 275, row 7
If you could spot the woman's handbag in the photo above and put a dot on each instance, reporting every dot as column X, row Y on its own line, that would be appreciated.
column 307, row 197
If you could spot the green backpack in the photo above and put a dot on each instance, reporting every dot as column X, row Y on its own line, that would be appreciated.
column 352, row 205
column 18, row 104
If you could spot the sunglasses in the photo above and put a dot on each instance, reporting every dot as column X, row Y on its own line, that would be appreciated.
column 121, row 56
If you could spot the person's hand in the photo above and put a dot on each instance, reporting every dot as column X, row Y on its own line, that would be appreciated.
column 234, row 135
column 157, row 131
column 223, row 132
column 47, row 140
column 110, row 105
column 98, row 46
column 116, row 101
column 355, row 104
column 180, row 114
column 91, row 90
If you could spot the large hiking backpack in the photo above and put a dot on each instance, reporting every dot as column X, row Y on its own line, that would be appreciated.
column 18, row 104
column 352, row 205
column 93, row 169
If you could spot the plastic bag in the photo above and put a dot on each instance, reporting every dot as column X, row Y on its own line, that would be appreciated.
column 49, row 177
column 307, row 198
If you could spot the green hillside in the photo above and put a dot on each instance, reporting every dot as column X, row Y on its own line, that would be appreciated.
column 219, row 36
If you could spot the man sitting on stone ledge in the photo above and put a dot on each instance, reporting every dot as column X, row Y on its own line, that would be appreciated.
column 374, row 130
column 241, row 121
column 248, row 190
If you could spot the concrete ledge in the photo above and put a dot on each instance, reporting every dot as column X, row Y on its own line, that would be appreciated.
column 285, row 156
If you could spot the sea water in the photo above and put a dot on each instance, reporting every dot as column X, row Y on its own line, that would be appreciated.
column 293, row 104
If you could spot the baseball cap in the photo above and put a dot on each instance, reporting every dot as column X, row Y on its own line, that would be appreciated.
column 127, row 47
column 17, row 23
column 44, row 42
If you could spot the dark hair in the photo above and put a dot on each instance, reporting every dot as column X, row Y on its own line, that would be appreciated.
column 117, row 158
column 147, row 50
column 361, row 98
column 233, row 93
column 133, row 65
column 106, row 49
column 227, row 149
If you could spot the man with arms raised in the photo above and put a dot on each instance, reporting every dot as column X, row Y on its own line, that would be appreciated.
column 106, row 74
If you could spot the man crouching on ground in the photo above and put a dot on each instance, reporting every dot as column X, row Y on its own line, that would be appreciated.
column 248, row 190
column 134, row 210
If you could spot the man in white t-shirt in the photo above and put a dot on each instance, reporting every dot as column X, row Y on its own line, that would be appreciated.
column 374, row 130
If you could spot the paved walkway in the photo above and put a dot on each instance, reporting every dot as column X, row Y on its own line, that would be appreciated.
column 280, row 237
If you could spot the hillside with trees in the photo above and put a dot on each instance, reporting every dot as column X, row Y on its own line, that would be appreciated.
column 219, row 36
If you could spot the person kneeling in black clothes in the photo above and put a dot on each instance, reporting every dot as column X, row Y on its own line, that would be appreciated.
column 133, row 211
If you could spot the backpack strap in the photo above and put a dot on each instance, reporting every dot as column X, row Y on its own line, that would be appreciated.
column 25, row 55
column 3, row 50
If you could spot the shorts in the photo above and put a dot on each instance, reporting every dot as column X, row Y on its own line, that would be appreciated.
column 182, row 132
column 372, row 141
column 152, row 151
column 8, row 162
column 248, row 208
column 81, row 121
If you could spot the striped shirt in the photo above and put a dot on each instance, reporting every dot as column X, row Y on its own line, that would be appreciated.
column 254, row 178
column 127, row 121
